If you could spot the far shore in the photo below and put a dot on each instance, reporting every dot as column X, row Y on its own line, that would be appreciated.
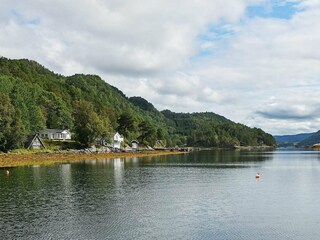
column 254, row 147
column 28, row 159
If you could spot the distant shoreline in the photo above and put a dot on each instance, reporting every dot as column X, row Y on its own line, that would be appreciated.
column 254, row 147
column 41, row 158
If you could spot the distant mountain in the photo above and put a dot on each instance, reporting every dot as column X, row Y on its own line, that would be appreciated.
column 311, row 140
column 292, row 138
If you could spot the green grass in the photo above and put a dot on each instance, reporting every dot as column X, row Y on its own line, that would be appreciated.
column 60, row 145
column 29, row 151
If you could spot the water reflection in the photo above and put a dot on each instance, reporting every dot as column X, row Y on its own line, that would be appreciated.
column 211, row 159
column 118, row 165
column 202, row 195
column 65, row 171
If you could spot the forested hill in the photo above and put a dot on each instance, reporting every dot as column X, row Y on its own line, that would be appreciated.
column 33, row 98
column 311, row 140
column 291, row 140
column 209, row 129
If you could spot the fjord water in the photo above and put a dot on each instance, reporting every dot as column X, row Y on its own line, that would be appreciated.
column 202, row 195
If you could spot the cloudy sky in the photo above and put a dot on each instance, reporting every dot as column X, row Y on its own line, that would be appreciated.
column 253, row 61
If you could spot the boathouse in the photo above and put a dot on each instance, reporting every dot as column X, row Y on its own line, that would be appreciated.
column 134, row 144
column 34, row 142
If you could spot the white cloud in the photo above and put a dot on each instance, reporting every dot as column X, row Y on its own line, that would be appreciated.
column 295, row 111
column 180, row 84
column 268, row 58
column 154, row 49
column 121, row 37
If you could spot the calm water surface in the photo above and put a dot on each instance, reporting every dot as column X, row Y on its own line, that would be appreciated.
column 202, row 195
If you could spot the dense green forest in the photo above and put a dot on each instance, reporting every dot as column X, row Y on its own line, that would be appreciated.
column 209, row 129
column 33, row 98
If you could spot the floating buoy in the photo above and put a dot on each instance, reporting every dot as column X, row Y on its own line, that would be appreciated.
column 7, row 172
column 258, row 175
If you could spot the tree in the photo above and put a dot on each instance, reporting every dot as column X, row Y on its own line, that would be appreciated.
column 148, row 133
column 126, row 124
column 17, row 132
column 88, row 127
column 105, row 114
column 110, row 114
column 11, row 129
column 56, row 111
column 21, row 106
column 36, row 118
column 160, row 134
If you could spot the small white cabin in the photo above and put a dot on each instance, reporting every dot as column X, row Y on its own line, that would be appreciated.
column 117, row 140
column 55, row 134
column 34, row 142
column 134, row 144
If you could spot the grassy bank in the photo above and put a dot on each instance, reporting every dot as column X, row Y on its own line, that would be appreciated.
column 41, row 158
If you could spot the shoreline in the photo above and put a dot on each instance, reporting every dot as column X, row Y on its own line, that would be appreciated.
column 26, row 159
column 47, row 158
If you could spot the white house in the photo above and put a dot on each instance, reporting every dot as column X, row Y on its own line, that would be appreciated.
column 117, row 140
column 55, row 134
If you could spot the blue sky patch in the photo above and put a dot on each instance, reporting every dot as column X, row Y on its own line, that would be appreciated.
column 273, row 9
column 217, row 35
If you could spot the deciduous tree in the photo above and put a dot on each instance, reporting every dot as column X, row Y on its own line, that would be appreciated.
column 88, row 127
column 11, row 130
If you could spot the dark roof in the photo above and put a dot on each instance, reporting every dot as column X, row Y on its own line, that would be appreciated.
column 54, row 130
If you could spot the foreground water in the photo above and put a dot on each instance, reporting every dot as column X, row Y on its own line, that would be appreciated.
column 202, row 195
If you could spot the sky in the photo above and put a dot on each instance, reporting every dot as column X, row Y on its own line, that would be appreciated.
column 256, row 62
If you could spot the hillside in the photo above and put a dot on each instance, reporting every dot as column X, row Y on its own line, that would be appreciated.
column 311, row 140
column 33, row 97
column 209, row 129
column 291, row 140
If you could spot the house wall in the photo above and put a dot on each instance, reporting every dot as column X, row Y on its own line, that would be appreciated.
column 64, row 135
column 117, row 144
column 36, row 144
column 117, row 140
